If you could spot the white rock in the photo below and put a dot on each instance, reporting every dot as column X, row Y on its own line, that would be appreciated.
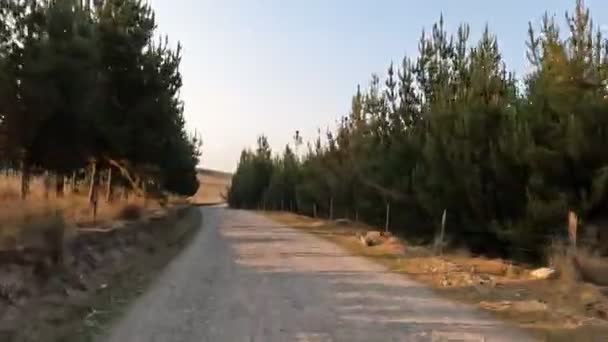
column 373, row 238
column 543, row 273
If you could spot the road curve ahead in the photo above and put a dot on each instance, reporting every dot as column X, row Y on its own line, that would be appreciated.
column 245, row 278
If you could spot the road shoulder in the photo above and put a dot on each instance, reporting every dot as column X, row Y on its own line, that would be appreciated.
column 531, row 305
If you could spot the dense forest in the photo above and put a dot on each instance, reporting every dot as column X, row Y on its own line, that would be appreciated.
column 452, row 129
column 86, row 87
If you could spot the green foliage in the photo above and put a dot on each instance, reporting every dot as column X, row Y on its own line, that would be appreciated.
column 86, row 80
column 454, row 130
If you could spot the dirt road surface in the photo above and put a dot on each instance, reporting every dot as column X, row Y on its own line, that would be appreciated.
column 246, row 278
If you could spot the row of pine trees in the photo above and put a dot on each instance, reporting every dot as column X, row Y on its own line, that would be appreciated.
column 453, row 130
column 89, row 85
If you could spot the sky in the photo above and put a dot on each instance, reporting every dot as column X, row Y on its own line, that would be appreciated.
column 272, row 67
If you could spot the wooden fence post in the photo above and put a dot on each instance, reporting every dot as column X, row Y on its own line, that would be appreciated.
column 93, row 183
column 572, row 229
column 109, row 186
column 442, row 233
column 388, row 217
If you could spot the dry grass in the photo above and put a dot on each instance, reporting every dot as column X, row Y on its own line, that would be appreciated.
column 563, row 309
column 100, row 278
column 213, row 187
column 561, row 258
column 21, row 219
column 52, row 246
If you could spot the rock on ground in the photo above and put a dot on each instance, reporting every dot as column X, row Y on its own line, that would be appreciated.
column 543, row 273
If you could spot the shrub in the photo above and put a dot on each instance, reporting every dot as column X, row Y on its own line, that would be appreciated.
column 130, row 212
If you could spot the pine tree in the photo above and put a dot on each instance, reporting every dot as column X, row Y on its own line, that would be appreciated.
column 452, row 130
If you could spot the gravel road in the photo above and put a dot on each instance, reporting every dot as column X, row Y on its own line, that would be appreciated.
column 245, row 278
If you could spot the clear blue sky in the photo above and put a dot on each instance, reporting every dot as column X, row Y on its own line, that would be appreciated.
column 274, row 66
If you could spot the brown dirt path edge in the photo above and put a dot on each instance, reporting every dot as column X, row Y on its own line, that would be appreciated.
column 84, row 315
column 558, row 322
column 247, row 278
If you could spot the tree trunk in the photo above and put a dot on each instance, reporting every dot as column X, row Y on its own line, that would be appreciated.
column 314, row 210
column 46, row 183
column 331, row 208
column 109, row 186
column 93, row 183
column 59, row 184
column 73, row 183
column 25, row 180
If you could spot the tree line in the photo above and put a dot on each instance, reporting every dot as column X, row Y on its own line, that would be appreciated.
column 87, row 86
column 452, row 129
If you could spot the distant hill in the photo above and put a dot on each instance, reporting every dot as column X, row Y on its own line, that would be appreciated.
column 213, row 187
column 214, row 173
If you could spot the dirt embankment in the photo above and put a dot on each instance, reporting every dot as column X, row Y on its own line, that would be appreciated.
column 70, row 295
column 565, row 307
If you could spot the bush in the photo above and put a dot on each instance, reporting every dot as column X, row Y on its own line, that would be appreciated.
column 130, row 212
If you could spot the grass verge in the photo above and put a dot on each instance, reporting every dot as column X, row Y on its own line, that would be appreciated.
column 131, row 282
column 125, row 269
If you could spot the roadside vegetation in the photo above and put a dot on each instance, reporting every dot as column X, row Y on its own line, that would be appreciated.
column 90, row 92
column 480, row 175
column 95, row 159
column 451, row 130
column 91, row 120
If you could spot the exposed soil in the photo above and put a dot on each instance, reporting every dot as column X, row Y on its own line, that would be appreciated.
column 102, row 268
column 560, row 309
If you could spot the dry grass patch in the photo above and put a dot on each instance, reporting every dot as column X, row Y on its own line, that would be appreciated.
column 213, row 187
column 36, row 229
column 103, row 272
column 56, row 255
